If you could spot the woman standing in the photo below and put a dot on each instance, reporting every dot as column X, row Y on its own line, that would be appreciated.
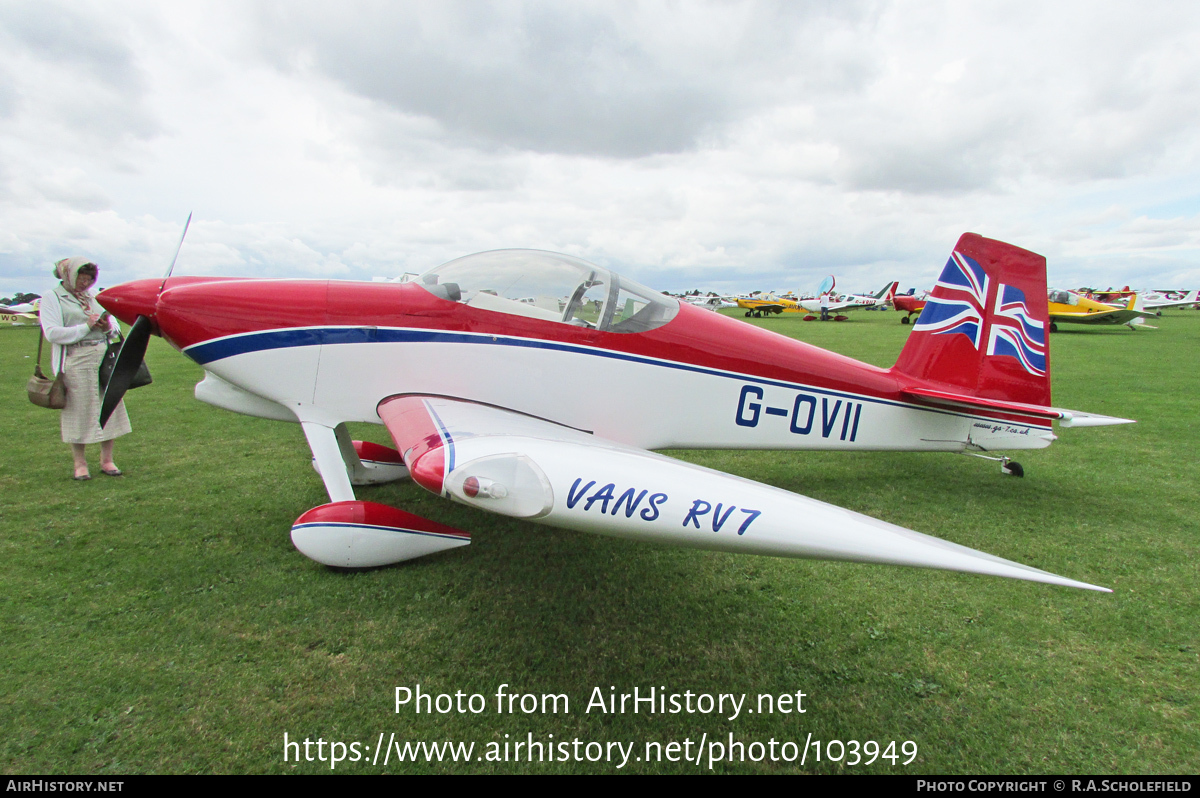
column 78, row 328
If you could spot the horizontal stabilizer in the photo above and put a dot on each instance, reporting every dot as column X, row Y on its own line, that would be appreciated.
column 976, row 404
column 1074, row 418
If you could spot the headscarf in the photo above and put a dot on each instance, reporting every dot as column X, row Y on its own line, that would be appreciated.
column 67, row 270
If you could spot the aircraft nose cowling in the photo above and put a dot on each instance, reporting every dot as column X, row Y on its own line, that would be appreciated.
column 130, row 300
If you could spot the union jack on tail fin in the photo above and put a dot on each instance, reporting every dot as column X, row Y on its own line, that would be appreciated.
column 983, row 332
column 981, row 343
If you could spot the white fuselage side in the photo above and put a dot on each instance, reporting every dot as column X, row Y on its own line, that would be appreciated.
column 631, row 399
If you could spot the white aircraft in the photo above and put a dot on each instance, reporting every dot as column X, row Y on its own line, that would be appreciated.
column 548, row 412
column 711, row 302
column 840, row 304
column 1158, row 300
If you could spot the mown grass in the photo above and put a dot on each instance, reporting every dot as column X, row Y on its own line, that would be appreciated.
column 162, row 622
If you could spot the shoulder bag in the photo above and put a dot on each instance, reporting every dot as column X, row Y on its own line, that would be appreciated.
column 43, row 391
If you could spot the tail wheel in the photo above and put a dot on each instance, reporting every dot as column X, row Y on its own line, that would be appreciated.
column 1013, row 469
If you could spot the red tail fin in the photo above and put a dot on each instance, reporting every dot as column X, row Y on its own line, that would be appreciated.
column 983, row 331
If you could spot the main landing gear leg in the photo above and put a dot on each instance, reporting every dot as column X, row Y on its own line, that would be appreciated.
column 352, row 534
column 367, row 463
column 330, row 463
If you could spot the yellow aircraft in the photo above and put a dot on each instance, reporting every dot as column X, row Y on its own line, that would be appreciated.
column 19, row 314
column 766, row 304
column 1068, row 307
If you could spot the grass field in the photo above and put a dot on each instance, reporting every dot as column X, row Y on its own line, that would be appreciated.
column 163, row 623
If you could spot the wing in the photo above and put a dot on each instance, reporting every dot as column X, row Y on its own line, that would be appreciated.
column 1114, row 316
column 516, row 465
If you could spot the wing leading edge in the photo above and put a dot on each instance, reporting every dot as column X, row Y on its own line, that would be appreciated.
column 525, row 467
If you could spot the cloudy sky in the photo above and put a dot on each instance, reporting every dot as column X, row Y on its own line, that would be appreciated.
column 734, row 146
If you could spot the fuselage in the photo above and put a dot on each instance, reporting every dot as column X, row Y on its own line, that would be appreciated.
column 908, row 303
column 332, row 351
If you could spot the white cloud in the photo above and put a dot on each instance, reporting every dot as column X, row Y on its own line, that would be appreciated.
column 743, row 145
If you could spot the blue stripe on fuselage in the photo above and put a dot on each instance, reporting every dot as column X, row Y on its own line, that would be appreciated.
column 221, row 348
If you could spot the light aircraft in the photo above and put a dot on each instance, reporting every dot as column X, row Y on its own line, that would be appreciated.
column 711, row 302
column 1111, row 296
column 909, row 304
column 1068, row 307
column 766, row 304
column 1157, row 301
column 16, row 318
column 19, row 313
column 844, row 302
column 549, row 414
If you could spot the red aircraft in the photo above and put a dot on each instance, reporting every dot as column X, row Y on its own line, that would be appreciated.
column 908, row 304
column 535, row 385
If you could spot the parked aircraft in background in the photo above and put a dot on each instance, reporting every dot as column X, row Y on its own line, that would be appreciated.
column 1112, row 295
column 909, row 304
column 1159, row 301
column 766, row 305
column 550, row 415
column 841, row 303
column 1068, row 307
column 711, row 302
column 19, row 313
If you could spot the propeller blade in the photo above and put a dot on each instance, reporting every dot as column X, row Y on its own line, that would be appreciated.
column 133, row 350
column 171, row 268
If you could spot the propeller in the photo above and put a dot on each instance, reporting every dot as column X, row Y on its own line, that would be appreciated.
column 133, row 349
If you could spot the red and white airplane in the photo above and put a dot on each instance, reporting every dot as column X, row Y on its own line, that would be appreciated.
column 839, row 304
column 909, row 304
column 535, row 385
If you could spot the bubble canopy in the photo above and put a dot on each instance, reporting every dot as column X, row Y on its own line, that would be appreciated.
column 553, row 287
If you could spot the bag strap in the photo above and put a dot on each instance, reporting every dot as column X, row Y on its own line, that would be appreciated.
column 37, row 365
